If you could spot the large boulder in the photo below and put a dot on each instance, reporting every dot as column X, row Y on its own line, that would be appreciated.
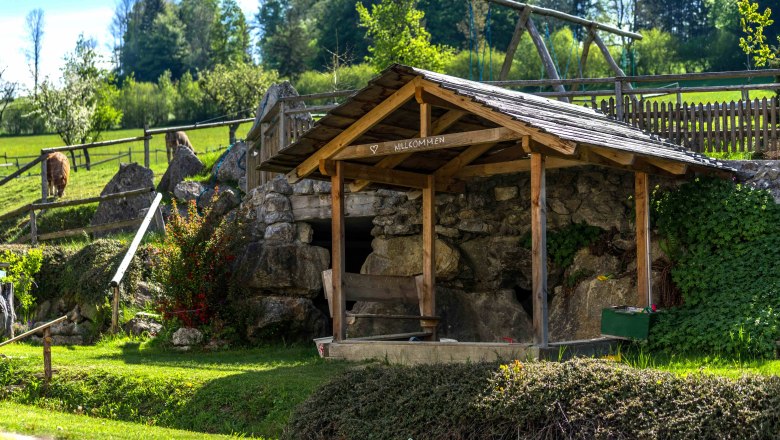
column 186, row 336
column 403, row 256
column 498, row 261
column 129, row 177
column 232, row 165
column 282, row 268
column 184, row 164
column 275, row 318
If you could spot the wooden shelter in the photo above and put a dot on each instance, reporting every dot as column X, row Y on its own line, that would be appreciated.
column 411, row 128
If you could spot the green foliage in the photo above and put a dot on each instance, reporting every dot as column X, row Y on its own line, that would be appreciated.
column 193, row 267
column 154, row 41
column 753, row 24
column 145, row 103
column 398, row 35
column 84, row 106
column 230, row 39
column 581, row 398
column 564, row 243
column 352, row 77
column 236, row 91
column 22, row 272
column 21, row 118
column 656, row 53
column 87, row 273
column 724, row 239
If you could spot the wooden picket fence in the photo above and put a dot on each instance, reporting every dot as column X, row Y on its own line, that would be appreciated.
column 735, row 126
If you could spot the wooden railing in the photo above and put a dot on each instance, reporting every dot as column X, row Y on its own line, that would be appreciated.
column 46, row 328
column 128, row 258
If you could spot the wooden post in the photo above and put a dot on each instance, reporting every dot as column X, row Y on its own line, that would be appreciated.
column 115, row 310
column 547, row 61
column 513, row 43
column 619, row 99
column 539, row 248
column 643, row 261
column 146, row 147
column 46, row 356
column 44, row 178
column 282, row 127
column 337, row 253
column 33, row 228
column 428, row 303
column 608, row 56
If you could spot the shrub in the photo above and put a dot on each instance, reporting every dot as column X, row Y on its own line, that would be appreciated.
column 193, row 267
column 580, row 398
column 564, row 243
column 146, row 103
column 22, row 271
column 351, row 77
column 725, row 244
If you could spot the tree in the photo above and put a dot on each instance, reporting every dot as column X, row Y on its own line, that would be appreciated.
column 230, row 35
column 84, row 106
column 753, row 24
column 118, row 29
column 235, row 91
column 7, row 93
column 34, row 29
column 200, row 18
column 398, row 36
column 287, row 38
column 154, row 41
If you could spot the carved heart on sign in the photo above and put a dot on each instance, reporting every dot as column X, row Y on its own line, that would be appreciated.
column 374, row 148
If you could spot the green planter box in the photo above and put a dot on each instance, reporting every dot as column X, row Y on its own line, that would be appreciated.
column 621, row 323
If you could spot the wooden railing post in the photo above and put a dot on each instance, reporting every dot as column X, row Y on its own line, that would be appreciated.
column 33, row 227
column 282, row 127
column 46, row 356
column 619, row 99
column 44, row 178
column 146, row 146
column 115, row 309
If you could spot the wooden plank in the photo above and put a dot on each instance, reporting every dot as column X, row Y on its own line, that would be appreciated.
column 643, row 265
column 394, row 337
column 732, row 124
column 544, row 54
column 513, row 43
column 385, row 316
column 380, row 175
column 539, row 249
column 466, row 157
column 375, row 288
column 428, row 143
column 716, row 115
column 354, row 131
column 426, row 129
column 756, row 125
column 337, row 253
column 46, row 356
column 562, row 146
column 439, row 126
column 21, row 170
column 84, row 201
column 678, row 168
column 33, row 331
column 428, row 294
column 513, row 166
column 33, row 228
column 765, row 124
column 617, row 156
column 90, row 229
column 773, row 116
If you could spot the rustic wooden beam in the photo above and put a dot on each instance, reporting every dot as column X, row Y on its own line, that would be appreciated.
column 539, row 249
column 374, row 174
column 426, row 128
column 678, row 168
column 512, row 166
column 584, row 58
column 621, row 157
column 466, row 103
column 424, row 97
column 544, row 54
column 337, row 252
column 437, row 142
column 428, row 300
column 439, row 126
column 643, row 260
column 513, row 43
column 469, row 155
column 608, row 56
column 354, row 131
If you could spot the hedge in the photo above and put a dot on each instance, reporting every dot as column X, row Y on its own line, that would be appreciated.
column 581, row 398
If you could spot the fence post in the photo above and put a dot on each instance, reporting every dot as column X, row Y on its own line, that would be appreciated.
column 44, row 178
column 130, row 154
column 33, row 227
column 115, row 310
column 146, row 147
column 619, row 99
column 46, row 356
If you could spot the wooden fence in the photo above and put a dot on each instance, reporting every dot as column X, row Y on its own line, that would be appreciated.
column 735, row 126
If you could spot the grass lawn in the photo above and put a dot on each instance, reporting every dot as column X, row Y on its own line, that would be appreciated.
column 685, row 365
column 84, row 183
column 247, row 392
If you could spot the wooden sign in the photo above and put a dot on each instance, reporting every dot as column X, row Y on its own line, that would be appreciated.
column 491, row 135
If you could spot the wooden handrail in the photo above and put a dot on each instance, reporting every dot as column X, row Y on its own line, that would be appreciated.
column 45, row 151
column 120, row 272
column 197, row 126
column 74, row 202
column 33, row 331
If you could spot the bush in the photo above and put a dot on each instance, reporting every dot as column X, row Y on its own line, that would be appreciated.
column 580, row 398
column 351, row 77
column 724, row 240
column 146, row 103
column 21, row 118
column 22, row 272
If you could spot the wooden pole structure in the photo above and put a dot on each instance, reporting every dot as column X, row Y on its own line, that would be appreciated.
column 115, row 309
column 643, row 260
column 44, row 178
column 547, row 61
column 33, row 228
column 46, row 356
column 608, row 56
column 539, row 249
column 337, row 254
column 428, row 300
column 513, row 43
column 146, row 146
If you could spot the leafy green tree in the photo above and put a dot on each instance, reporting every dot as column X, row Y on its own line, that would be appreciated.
column 230, row 36
column 154, row 41
column 398, row 36
column 755, row 43
column 656, row 53
column 235, row 91
column 83, row 107
column 199, row 18
column 287, row 37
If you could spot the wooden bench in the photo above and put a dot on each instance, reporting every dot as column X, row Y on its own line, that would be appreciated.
column 386, row 289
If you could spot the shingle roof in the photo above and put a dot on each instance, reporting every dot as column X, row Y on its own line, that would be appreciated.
column 569, row 122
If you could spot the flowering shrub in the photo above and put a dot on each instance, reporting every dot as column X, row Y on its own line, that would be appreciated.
column 193, row 267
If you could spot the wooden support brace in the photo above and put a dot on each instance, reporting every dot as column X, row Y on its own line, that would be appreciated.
column 512, row 166
column 46, row 356
column 617, row 156
column 513, row 43
column 337, row 253
column 380, row 175
column 539, row 249
column 643, row 260
column 544, row 54
column 428, row 300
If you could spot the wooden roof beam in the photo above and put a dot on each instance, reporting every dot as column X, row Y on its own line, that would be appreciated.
column 512, row 166
column 379, row 175
column 439, row 126
column 621, row 157
column 559, row 145
column 678, row 168
column 354, row 131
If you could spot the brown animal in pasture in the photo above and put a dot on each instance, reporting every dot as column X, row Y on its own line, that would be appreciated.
column 57, row 173
column 176, row 139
